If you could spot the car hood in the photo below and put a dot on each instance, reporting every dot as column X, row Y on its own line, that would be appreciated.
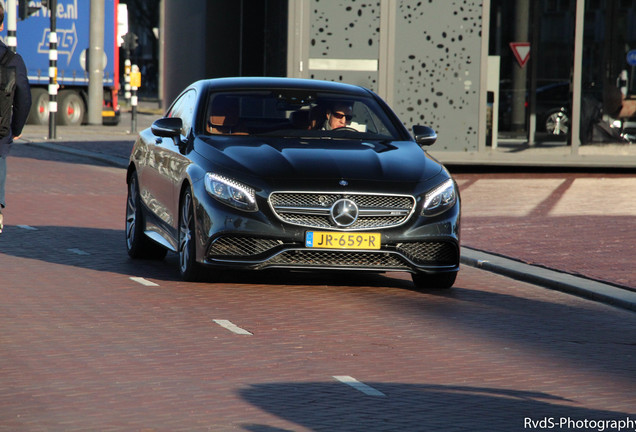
column 311, row 159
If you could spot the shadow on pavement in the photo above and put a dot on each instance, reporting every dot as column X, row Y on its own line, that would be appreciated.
column 105, row 250
column 100, row 153
column 407, row 407
column 89, row 248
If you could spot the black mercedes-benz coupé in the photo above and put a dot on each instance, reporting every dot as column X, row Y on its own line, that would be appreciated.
column 259, row 173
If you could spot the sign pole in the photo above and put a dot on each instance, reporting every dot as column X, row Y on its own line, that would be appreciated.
column 12, row 40
column 52, row 69
column 95, row 65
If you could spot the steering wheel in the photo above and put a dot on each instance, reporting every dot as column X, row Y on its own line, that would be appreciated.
column 347, row 129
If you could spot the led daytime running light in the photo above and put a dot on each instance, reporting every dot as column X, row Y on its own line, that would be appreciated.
column 231, row 192
column 440, row 198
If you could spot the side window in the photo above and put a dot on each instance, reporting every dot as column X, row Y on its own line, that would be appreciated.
column 175, row 110
column 363, row 114
column 184, row 109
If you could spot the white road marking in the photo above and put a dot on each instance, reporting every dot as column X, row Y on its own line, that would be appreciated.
column 27, row 227
column 143, row 281
column 362, row 387
column 77, row 251
column 232, row 327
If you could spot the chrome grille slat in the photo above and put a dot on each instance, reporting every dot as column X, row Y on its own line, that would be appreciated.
column 304, row 210
column 312, row 209
column 369, row 212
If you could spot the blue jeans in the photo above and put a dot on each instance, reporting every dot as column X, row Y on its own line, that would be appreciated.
column 3, row 178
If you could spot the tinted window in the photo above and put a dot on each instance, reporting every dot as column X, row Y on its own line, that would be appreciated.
column 296, row 113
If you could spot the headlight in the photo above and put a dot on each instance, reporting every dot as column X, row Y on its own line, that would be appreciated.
column 230, row 192
column 440, row 199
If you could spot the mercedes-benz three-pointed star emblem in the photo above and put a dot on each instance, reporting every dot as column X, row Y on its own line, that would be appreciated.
column 344, row 212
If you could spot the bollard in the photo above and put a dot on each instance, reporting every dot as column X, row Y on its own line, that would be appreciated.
column 53, row 72
column 135, row 83
column 133, row 104
column 127, row 80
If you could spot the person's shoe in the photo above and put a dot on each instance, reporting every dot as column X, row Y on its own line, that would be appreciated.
column 1, row 222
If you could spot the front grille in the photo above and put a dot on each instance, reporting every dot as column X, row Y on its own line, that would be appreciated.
column 312, row 209
column 342, row 259
column 430, row 253
column 241, row 246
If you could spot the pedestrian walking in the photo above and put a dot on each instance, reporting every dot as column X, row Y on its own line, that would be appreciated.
column 15, row 103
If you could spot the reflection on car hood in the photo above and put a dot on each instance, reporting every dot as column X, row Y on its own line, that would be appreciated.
column 279, row 158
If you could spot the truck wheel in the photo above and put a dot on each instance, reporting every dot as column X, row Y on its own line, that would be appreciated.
column 39, row 113
column 70, row 109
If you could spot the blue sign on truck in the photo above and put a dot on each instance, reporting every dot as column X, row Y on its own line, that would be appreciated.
column 72, row 27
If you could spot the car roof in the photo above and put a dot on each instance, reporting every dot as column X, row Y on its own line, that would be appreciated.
column 247, row 83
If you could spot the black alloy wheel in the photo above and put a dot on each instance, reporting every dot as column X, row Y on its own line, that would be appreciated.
column 188, row 266
column 137, row 244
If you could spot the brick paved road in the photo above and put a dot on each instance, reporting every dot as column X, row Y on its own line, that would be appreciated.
column 84, row 347
column 580, row 223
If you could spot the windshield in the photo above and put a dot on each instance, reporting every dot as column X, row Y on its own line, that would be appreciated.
column 296, row 113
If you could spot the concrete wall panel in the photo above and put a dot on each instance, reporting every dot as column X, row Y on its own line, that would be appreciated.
column 432, row 61
column 437, row 69
column 345, row 30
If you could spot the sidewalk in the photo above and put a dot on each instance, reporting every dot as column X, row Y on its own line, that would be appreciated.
column 583, row 224
column 574, row 232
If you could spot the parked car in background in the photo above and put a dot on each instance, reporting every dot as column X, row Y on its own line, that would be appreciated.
column 553, row 108
column 552, row 111
column 259, row 173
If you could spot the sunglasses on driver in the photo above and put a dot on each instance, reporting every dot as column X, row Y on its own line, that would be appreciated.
column 340, row 115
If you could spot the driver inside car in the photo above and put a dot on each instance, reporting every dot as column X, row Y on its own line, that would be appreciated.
column 338, row 115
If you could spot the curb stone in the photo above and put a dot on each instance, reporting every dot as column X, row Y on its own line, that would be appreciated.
column 551, row 279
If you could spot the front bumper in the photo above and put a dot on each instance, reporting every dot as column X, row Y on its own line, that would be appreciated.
column 261, row 253
column 261, row 240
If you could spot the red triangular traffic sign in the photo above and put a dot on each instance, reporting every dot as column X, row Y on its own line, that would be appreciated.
column 521, row 50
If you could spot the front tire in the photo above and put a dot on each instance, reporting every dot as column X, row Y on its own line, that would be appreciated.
column 434, row 281
column 188, row 267
column 138, row 245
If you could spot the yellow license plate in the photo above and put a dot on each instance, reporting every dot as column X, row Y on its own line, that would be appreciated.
column 342, row 240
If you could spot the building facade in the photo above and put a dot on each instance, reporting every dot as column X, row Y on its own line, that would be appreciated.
column 503, row 82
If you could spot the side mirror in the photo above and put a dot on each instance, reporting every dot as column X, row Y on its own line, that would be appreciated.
column 168, row 127
column 424, row 135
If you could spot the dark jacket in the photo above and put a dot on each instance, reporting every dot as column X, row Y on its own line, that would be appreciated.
column 21, row 100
